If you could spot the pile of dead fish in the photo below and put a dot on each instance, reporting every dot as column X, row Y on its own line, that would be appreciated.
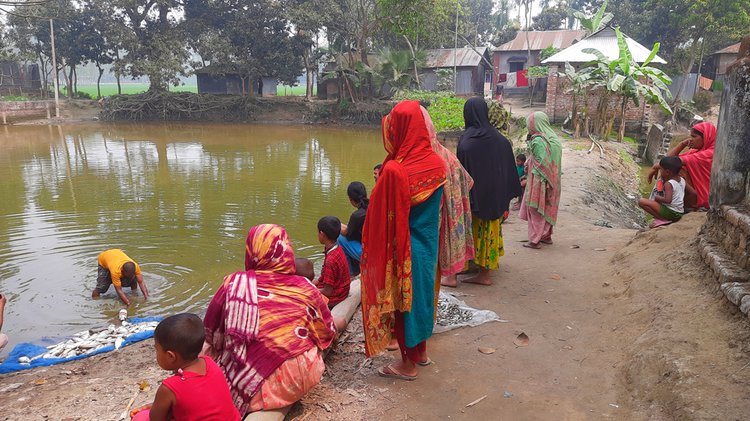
column 92, row 340
column 450, row 313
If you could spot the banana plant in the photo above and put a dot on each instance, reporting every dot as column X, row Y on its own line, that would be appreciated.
column 579, row 84
column 629, row 80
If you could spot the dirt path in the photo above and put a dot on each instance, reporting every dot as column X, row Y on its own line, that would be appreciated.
column 619, row 327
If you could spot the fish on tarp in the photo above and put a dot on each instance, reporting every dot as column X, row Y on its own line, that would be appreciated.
column 92, row 340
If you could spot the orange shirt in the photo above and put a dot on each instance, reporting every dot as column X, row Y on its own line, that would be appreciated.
column 112, row 260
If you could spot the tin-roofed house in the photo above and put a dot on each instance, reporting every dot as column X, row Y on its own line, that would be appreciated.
column 559, row 99
column 19, row 78
column 719, row 61
column 212, row 81
column 473, row 73
column 513, row 56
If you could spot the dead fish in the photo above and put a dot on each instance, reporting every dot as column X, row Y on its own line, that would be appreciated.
column 92, row 340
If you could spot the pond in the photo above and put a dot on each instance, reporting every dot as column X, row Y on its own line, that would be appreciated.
column 177, row 198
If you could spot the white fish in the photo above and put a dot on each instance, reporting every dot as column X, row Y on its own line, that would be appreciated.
column 24, row 360
column 118, row 342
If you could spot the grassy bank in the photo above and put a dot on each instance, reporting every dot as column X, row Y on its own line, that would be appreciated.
column 110, row 89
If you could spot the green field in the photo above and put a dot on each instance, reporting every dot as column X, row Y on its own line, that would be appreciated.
column 109, row 89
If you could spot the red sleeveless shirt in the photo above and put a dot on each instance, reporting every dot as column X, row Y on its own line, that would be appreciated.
column 205, row 397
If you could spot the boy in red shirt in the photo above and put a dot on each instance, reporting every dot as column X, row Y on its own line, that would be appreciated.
column 198, row 389
column 334, row 277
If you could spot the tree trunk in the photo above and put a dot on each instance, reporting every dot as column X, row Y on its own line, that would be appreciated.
column 308, row 74
column 349, row 88
column 414, row 60
column 156, row 84
column 621, row 132
column 528, row 53
column 75, row 81
column 99, row 80
column 117, row 73
column 576, row 126
column 69, row 81
column 43, row 75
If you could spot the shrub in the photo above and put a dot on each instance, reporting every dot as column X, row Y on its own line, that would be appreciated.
column 425, row 97
column 83, row 95
column 447, row 113
column 702, row 100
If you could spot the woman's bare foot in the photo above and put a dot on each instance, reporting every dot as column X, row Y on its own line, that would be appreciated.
column 546, row 240
column 532, row 246
column 449, row 281
column 482, row 278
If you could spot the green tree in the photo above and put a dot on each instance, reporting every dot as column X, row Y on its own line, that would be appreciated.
column 154, row 40
column 252, row 40
column 594, row 23
column 414, row 20
column 309, row 17
column 550, row 18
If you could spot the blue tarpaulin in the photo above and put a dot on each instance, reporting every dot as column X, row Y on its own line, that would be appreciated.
column 11, row 363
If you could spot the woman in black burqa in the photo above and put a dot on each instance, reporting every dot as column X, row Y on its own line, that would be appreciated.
column 488, row 157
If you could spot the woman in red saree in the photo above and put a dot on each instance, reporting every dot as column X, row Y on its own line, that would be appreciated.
column 266, row 326
column 696, row 163
column 400, row 243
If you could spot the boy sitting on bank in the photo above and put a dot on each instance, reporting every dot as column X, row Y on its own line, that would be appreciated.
column 334, row 277
column 667, row 206
column 197, row 390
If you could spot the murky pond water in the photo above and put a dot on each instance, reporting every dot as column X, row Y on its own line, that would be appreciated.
column 178, row 198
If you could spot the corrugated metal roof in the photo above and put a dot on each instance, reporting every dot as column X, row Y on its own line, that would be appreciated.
column 732, row 49
column 539, row 40
column 443, row 57
column 605, row 41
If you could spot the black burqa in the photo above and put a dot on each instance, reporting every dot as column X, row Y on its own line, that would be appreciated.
column 488, row 157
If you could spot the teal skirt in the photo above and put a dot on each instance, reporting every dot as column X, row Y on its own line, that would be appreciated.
column 424, row 226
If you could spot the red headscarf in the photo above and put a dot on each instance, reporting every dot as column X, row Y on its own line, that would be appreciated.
column 411, row 172
column 698, row 162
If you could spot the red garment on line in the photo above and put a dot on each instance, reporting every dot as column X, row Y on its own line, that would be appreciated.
column 521, row 79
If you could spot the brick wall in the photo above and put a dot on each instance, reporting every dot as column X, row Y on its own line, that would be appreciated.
column 560, row 103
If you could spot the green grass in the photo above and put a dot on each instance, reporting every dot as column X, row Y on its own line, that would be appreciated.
column 580, row 147
column 284, row 90
column 14, row 98
column 627, row 158
column 109, row 89
column 631, row 140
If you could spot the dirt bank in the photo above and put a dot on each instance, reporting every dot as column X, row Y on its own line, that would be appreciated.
column 622, row 325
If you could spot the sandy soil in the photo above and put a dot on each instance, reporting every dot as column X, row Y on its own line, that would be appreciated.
column 622, row 325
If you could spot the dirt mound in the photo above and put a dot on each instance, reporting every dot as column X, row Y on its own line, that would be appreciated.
column 690, row 347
